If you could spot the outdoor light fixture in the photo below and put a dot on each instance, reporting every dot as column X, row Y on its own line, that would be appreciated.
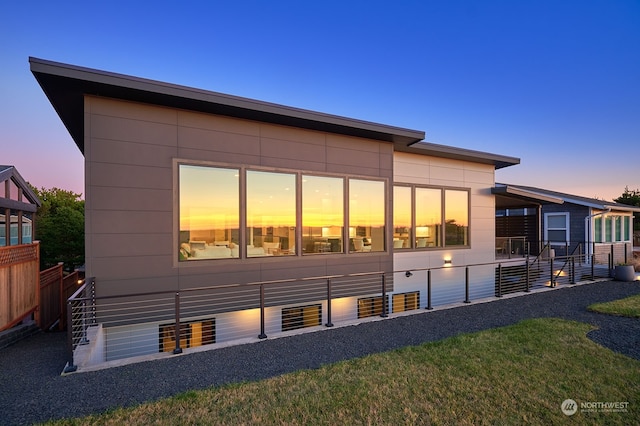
column 408, row 274
column 447, row 262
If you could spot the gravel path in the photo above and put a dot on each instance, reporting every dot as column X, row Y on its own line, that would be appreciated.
column 32, row 389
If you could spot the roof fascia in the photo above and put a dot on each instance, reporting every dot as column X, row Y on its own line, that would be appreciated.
column 444, row 151
column 66, row 85
column 10, row 172
column 507, row 190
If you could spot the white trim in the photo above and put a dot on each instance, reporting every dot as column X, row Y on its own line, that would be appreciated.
column 566, row 228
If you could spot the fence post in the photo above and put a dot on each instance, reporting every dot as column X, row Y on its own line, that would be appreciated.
column 466, row 285
column 429, row 307
column 178, row 349
column 329, row 323
column 262, row 334
column 70, row 367
column 499, row 280
column 60, row 295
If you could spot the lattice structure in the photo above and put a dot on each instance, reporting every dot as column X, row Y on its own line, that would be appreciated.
column 12, row 255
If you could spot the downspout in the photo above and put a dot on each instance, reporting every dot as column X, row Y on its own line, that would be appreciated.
column 587, row 230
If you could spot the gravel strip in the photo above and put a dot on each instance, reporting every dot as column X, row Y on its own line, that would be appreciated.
column 33, row 390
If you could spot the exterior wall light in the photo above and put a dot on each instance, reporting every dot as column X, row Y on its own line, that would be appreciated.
column 408, row 274
column 447, row 262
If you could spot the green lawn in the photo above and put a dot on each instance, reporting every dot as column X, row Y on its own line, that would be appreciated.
column 519, row 374
column 627, row 307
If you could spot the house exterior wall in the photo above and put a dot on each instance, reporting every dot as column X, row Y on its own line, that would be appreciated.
column 131, row 151
column 577, row 215
column 446, row 173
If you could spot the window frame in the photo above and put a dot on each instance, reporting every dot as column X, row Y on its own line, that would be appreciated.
column 242, row 209
column 441, row 231
column 566, row 228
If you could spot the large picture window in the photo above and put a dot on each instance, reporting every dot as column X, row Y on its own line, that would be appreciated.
column 366, row 215
column 271, row 213
column 322, row 214
column 209, row 212
column 239, row 213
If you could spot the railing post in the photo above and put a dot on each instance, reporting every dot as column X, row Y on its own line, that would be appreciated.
column 329, row 323
column 93, row 301
column 262, row 334
column 84, row 340
column 429, row 307
column 509, row 247
column 572, row 270
column 499, row 280
column 612, row 257
column 384, row 297
column 178, row 349
column 70, row 367
column 466, row 285
column 527, row 283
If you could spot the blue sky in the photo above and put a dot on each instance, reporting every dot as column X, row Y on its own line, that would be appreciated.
column 555, row 83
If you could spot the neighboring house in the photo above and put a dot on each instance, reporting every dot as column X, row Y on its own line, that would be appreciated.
column 187, row 188
column 18, row 205
column 19, row 257
column 566, row 223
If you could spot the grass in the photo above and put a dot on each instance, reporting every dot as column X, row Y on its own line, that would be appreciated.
column 511, row 375
column 627, row 307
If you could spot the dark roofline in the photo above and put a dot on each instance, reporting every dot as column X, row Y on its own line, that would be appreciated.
column 444, row 151
column 65, row 86
column 10, row 172
column 568, row 198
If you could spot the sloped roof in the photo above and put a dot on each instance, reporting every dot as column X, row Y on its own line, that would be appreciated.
column 10, row 172
column 65, row 85
column 546, row 196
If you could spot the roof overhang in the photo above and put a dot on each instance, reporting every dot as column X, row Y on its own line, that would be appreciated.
column 10, row 172
column 444, row 151
column 66, row 85
column 512, row 197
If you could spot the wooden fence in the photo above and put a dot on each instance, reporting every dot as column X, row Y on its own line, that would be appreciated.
column 55, row 289
column 19, row 283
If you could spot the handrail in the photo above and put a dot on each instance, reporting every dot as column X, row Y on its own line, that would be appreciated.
column 568, row 258
column 83, row 305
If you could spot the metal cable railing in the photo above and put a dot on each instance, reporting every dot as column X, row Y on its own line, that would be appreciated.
column 154, row 322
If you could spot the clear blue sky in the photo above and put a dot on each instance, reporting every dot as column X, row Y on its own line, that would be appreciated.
column 555, row 83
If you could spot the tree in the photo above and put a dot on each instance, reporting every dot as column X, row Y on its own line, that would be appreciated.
column 60, row 228
column 631, row 198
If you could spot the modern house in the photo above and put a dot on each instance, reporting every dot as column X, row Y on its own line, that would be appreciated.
column 534, row 218
column 195, row 192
